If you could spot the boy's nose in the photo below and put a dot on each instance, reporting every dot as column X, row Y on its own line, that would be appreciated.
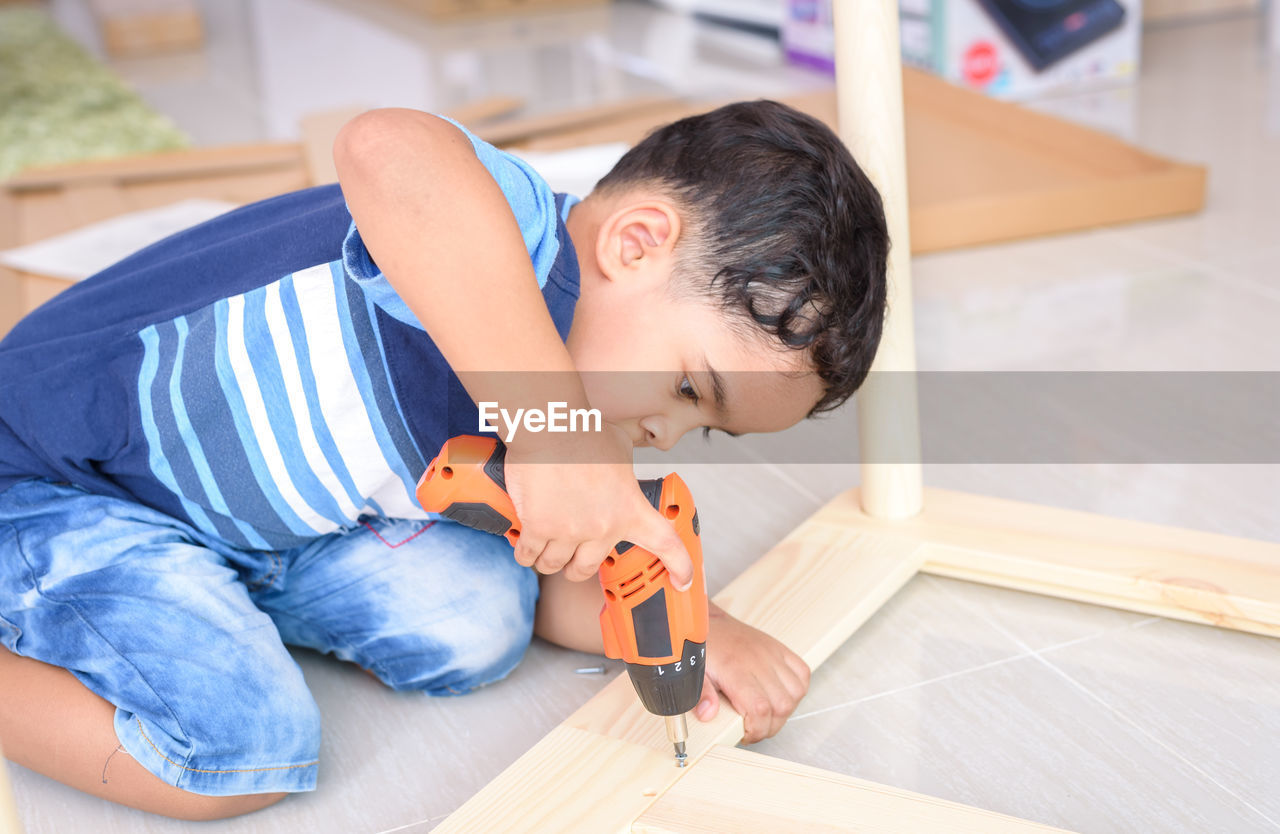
column 655, row 434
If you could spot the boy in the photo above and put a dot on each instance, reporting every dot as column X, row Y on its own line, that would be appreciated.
column 209, row 450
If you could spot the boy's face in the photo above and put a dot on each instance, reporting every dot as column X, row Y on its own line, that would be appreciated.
column 653, row 360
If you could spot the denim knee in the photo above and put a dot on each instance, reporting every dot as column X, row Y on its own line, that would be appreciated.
column 483, row 635
column 264, row 737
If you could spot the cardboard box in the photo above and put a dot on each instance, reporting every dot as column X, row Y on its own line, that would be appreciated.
column 1017, row 49
column 1014, row 49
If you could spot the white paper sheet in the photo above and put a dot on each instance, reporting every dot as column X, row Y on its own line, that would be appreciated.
column 576, row 170
column 80, row 253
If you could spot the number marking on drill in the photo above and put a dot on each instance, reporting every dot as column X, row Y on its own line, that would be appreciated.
column 678, row 664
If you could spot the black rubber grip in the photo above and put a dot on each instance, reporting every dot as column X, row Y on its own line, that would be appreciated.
column 479, row 515
column 653, row 631
column 652, row 489
column 494, row 466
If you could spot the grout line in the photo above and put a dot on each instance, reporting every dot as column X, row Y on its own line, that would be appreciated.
column 801, row 488
column 412, row 824
column 916, row 685
column 1147, row 734
column 1038, row 655
column 1026, row 651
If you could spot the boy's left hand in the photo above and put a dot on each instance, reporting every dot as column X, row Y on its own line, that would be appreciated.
column 762, row 679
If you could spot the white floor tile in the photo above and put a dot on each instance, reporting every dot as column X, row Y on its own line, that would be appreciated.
column 1204, row 694
column 1016, row 738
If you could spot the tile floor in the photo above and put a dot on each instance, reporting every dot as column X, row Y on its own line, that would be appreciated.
column 1087, row 718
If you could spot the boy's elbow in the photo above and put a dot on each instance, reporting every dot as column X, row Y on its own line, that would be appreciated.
column 379, row 138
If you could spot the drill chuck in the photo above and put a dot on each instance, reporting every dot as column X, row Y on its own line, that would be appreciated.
column 671, row 688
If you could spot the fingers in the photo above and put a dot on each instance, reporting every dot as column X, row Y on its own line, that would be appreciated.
column 586, row 560
column 528, row 548
column 553, row 557
column 663, row 541
column 766, row 703
column 709, row 705
column 578, row 564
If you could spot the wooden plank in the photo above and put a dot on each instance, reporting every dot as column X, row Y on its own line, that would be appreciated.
column 747, row 793
column 1183, row 574
column 982, row 170
column 318, row 132
column 41, row 203
column 448, row 10
column 626, row 751
column 11, row 284
column 516, row 130
column 144, row 27
column 9, row 822
column 486, row 109
column 320, row 129
column 166, row 165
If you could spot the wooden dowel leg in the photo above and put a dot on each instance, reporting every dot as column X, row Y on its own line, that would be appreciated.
column 869, row 91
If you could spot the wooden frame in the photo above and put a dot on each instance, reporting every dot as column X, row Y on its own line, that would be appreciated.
column 818, row 585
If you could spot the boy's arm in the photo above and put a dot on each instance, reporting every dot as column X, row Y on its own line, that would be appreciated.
column 443, row 235
column 763, row 679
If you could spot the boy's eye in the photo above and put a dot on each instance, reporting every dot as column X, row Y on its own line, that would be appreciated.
column 687, row 391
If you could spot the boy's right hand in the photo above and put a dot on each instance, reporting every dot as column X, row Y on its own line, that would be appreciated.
column 576, row 498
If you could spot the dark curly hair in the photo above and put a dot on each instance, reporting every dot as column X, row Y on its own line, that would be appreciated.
column 787, row 231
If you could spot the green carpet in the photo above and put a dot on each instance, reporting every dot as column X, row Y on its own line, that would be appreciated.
column 57, row 104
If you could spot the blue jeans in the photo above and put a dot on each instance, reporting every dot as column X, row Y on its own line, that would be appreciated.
column 186, row 635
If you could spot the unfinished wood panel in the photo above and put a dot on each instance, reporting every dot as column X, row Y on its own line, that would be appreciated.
column 214, row 161
column 41, row 203
column 144, row 27
column 318, row 132
column 982, row 171
column 11, row 281
column 652, row 108
column 747, row 793
column 627, row 748
column 1183, row 574
column 444, row 10
column 487, row 109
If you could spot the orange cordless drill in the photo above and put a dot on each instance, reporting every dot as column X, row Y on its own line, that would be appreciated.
column 660, row 632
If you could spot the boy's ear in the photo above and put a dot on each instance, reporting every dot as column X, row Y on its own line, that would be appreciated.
column 638, row 237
